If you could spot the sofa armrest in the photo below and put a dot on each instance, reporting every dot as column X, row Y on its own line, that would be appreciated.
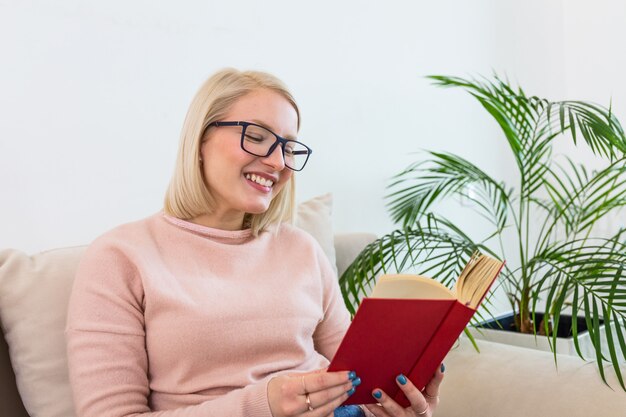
column 348, row 246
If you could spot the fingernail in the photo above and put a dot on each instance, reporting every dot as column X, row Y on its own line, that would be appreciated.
column 356, row 382
column 443, row 368
column 351, row 374
column 352, row 390
column 401, row 379
column 377, row 394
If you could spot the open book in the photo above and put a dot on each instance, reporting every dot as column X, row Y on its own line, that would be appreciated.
column 408, row 325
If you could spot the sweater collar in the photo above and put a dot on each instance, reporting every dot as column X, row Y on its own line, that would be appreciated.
column 224, row 236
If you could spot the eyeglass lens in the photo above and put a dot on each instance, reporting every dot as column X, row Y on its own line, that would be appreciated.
column 258, row 141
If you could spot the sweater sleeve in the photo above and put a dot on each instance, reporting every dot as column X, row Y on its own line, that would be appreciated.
column 331, row 329
column 107, row 358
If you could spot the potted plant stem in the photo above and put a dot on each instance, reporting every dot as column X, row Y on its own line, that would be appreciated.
column 561, row 262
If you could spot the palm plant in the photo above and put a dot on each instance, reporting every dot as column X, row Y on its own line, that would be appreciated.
column 560, row 262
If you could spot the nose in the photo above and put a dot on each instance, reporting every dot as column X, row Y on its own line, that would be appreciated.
column 276, row 159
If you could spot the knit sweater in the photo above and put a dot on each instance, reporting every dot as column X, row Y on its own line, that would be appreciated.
column 170, row 318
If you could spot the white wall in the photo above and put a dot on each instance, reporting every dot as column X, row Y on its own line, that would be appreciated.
column 593, row 52
column 93, row 94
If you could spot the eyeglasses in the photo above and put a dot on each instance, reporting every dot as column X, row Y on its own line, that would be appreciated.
column 260, row 141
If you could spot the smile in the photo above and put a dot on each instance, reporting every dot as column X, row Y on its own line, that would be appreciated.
column 259, row 180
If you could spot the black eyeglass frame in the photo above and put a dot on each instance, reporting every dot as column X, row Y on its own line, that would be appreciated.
column 279, row 141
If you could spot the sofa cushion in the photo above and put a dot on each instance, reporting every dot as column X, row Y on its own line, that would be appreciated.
column 348, row 246
column 34, row 293
column 512, row 381
column 315, row 217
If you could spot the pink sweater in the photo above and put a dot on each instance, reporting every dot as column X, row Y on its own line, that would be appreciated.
column 169, row 318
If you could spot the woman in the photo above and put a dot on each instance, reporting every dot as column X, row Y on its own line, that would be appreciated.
column 215, row 306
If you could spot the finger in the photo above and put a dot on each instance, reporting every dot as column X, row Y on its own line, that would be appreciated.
column 377, row 410
column 431, row 391
column 299, row 374
column 390, row 406
column 323, row 397
column 419, row 403
column 329, row 408
column 318, row 381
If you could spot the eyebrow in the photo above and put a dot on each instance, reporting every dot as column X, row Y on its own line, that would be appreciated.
column 260, row 123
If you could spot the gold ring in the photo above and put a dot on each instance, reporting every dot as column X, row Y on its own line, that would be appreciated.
column 308, row 401
column 425, row 410
column 304, row 385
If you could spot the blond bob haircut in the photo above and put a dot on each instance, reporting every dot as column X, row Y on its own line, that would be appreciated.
column 188, row 195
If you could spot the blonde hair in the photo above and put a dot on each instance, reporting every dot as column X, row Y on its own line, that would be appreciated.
column 187, row 195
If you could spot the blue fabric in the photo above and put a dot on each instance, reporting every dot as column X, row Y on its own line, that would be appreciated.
column 349, row 411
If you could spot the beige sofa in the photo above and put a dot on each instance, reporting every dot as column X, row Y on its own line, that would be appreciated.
column 500, row 381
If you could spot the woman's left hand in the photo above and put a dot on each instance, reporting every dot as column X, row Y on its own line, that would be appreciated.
column 423, row 404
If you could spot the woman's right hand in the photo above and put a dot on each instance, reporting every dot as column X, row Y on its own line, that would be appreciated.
column 315, row 394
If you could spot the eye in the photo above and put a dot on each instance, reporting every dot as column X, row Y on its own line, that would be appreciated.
column 251, row 137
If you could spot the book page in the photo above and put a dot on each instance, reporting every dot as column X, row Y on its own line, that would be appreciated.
column 410, row 286
column 476, row 278
column 470, row 287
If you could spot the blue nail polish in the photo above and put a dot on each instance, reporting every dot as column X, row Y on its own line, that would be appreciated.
column 443, row 368
column 356, row 382
column 352, row 390
column 351, row 374
column 377, row 394
column 401, row 379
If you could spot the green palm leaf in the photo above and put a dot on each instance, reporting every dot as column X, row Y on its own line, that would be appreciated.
column 530, row 125
column 581, row 199
column 519, row 118
column 416, row 189
column 596, row 269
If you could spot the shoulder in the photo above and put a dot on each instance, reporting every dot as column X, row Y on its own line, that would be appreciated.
column 302, row 241
column 321, row 239
column 291, row 238
column 133, row 230
column 111, row 266
column 288, row 234
column 290, row 231
column 126, row 237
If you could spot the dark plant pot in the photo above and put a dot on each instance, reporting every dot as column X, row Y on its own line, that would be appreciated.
column 564, row 330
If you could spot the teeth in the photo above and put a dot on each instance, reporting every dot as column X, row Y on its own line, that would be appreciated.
column 260, row 180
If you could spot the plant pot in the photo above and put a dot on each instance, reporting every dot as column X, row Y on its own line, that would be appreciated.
column 505, row 333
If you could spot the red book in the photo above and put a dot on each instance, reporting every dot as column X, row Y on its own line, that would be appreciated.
column 407, row 326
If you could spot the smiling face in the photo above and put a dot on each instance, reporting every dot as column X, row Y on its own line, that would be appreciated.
column 239, row 182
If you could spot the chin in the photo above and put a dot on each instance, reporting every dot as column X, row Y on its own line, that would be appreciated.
column 257, row 208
